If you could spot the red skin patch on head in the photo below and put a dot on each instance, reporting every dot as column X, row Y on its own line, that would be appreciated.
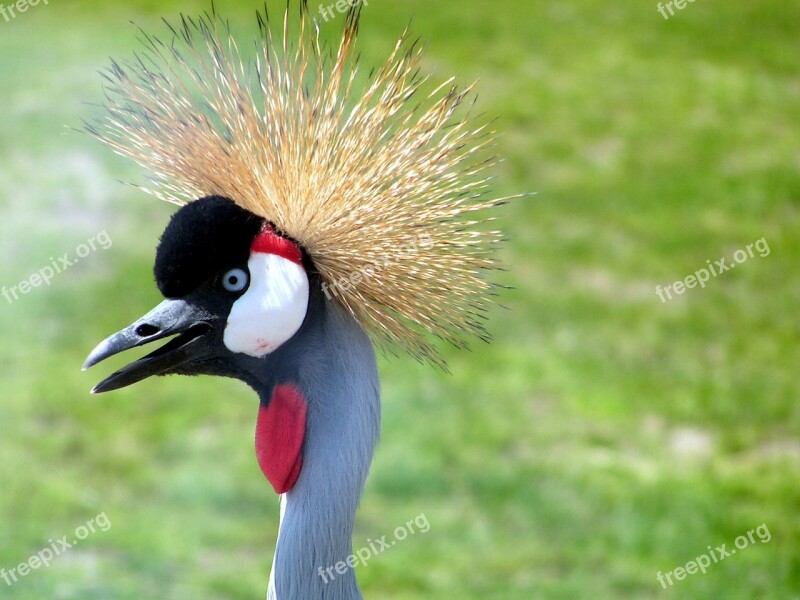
column 269, row 242
column 280, row 431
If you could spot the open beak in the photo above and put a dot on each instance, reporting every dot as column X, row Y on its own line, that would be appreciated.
column 177, row 318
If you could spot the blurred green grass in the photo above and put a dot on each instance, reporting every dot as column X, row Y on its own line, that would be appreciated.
column 603, row 436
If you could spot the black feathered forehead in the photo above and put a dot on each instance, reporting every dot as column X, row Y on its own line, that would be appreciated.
column 202, row 239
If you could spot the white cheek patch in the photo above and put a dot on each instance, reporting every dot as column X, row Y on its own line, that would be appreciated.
column 271, row 310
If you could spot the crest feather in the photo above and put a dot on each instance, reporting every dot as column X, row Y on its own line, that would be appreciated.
column 383, row 189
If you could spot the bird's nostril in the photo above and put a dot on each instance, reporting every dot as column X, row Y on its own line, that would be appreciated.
column 146, row 330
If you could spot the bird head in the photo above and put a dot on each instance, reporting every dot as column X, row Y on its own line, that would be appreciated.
column 235, row 292
column 370, row 187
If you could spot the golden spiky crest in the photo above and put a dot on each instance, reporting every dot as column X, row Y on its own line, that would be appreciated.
column 385, row 195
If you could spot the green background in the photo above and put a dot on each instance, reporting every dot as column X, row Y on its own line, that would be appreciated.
column 604, row 435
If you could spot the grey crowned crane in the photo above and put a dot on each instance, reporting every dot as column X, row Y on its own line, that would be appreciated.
column 315, row 220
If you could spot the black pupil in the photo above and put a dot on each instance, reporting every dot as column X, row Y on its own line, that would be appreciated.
column 233, row 280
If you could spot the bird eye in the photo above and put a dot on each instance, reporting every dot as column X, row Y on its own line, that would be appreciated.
column 235, row 280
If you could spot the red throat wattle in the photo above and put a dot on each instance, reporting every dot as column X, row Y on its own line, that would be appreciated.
column 280, row 431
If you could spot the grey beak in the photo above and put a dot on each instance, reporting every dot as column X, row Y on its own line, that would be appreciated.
column 170, row 318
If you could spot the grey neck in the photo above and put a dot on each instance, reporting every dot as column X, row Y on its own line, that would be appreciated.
column 337, row 374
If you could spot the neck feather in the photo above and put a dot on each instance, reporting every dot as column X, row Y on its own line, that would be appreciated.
column 337, row 374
